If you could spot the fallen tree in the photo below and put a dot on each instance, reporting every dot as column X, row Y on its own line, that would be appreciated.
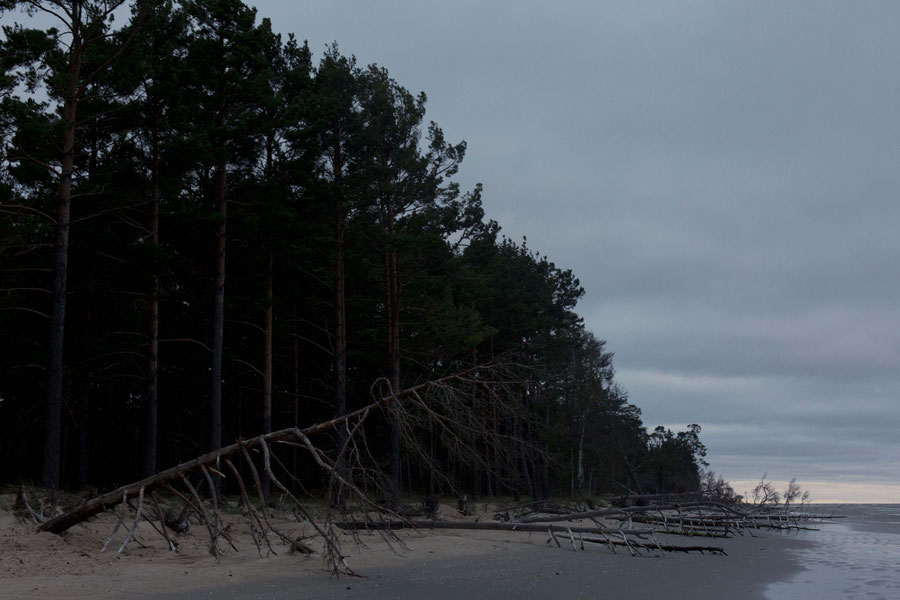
column 452, row 407
column 449, row 406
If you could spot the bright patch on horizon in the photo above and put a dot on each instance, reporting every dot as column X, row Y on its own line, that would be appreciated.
column 833, row 492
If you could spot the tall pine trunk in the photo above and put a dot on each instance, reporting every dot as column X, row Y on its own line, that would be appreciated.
column 218, row 337
column 53, row 421
column 580, row 463
column 340, row 318
column 267, row 357
column 296, row 376
column 84, row 398
column 393, row 312
column 340, row 307
column 152, row 409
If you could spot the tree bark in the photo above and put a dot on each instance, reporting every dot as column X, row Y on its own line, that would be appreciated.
column 295, row 455
column 267, row 357
column 267, row 346
column 215, row 396
column 152, row 409
column 84, row 397
column 340, row 317
column 340, row 298
column 53, row 421
column 392, row 284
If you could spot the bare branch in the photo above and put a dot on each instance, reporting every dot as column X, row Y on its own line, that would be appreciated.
column 40, row 6
column 27, row 208
column 26, row 289
column 188, row 340
column 25, row 309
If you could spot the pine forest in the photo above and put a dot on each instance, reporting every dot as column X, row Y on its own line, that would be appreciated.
column 209, row 232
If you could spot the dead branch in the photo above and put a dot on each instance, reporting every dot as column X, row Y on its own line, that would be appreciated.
column 118, row 523
column 210, row 526
column 633, row 541
column 162, row 522
column 23, row 509
column 137, row 519
column 177, row 473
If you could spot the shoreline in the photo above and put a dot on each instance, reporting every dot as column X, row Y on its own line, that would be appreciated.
column 434, row 564
column 532, row 569
column 439, row 566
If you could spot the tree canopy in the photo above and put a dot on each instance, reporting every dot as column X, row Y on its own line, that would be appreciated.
column 136, row 157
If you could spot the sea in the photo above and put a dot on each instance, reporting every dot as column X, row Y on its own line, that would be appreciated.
column 857, row 557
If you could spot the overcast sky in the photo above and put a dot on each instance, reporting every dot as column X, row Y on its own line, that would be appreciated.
column 722, row 176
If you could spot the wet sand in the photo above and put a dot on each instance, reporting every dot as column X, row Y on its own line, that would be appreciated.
column 531, row 569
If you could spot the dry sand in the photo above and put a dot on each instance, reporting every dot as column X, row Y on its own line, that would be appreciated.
column 436, row 565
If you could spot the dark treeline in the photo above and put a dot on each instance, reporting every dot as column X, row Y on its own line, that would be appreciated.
column 207, row 233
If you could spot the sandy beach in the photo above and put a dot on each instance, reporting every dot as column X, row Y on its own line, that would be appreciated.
column 434, row 564
column 523, row 568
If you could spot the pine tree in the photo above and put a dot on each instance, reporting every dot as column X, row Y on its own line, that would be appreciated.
column 55, row 60
column 403, row 180
column 229, row 80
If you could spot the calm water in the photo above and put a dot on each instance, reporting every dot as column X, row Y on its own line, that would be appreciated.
column 853, row 558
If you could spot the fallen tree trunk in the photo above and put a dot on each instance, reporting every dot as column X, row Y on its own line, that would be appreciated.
column 113, row 498
column 705, row 519
column 482, row 526
column 625, row 511
column 450, row 406
column 653, row 545
column 553, row 530
column 212, row 459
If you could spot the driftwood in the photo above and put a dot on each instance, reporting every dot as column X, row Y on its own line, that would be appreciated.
column 46, row 509
column 628, row 510
column 633, row 545
column 546, row 507
column 694, row 518
column 611, row 536
column 697, row 518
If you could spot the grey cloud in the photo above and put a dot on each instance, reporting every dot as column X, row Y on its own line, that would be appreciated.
column 722, row 178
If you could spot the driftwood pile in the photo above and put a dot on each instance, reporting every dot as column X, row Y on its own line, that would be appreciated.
column 632, row 527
